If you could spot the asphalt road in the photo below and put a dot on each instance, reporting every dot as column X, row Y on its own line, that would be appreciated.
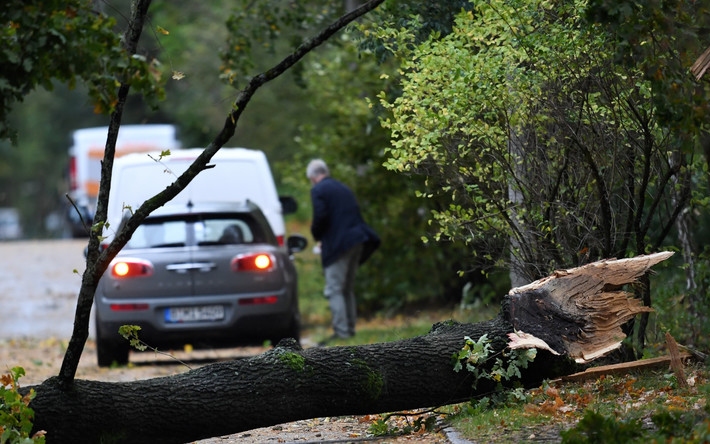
column 39, row 286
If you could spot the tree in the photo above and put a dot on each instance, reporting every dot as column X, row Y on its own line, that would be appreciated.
column 65, row 41
column 662, row 40
column 600, row 171
column 572, row 316
column 343, row 81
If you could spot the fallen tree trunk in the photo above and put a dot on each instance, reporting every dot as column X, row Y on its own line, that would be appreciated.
column 571, row 314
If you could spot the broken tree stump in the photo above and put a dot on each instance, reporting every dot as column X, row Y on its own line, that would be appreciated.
column 579, row 312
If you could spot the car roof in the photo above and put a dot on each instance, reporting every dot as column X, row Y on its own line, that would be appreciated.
column 190, row 154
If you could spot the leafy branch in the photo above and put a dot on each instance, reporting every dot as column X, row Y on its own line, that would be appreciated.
column 130, row 333
column 15, row 414
column 475, row 354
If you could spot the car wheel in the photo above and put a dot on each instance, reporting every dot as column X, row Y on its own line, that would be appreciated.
column 293, row 331
column 110, row 351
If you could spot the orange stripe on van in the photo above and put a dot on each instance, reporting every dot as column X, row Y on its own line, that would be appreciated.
column 92, row 188
column 98, row 152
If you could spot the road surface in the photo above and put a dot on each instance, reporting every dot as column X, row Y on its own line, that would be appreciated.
column 39, row 286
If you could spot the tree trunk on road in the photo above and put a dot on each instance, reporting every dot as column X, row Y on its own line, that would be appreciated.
column 574, row 314
column 281, row 385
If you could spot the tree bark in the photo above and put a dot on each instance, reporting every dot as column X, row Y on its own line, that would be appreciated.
column 94, row 270
column 701, row 65
column 282, row 385
column 570, row 316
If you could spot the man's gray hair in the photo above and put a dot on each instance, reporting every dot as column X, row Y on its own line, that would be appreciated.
column 317, row 167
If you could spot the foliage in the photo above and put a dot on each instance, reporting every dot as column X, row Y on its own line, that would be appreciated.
column 38, row 121
column 612, row 405
column 342, row 83
column 15, row 414
column 545, row 148
column 257, row 28
column 595, row 427
column 475, row 356
column 548, row 152
column 66, row 41
column 424, row 20
column 131, row 334
column 679, row 310
column 197, row 44
column 662, row 39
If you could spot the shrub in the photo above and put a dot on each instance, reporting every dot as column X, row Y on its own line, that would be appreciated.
column 15, row 414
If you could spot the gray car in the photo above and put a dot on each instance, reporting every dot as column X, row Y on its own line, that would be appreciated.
column 209, row 275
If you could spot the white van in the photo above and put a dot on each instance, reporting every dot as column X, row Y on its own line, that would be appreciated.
column 86, row 154
column 238, row 174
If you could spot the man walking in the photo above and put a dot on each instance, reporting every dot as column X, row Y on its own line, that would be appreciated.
column 346, row 241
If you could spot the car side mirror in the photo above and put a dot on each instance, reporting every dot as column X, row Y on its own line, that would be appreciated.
column 296, row 243
column 288, row 204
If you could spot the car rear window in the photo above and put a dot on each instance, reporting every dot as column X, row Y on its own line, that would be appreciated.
column 223, row 231
column 217, row 229
column 159, row 233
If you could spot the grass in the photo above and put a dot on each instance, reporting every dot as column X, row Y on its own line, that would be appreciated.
column 644, row 406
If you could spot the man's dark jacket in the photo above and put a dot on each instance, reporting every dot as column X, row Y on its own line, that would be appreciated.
column 337, row 222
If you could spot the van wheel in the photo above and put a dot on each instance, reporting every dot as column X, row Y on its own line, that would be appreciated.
column 110, row 353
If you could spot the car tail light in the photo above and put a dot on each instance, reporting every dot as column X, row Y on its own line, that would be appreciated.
column 72, row 174
column 254, row 262
column 263, row 300
column 130, row 268
column 280, row 240
column 129, row 307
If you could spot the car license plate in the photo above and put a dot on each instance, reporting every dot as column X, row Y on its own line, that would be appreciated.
column 205, row 313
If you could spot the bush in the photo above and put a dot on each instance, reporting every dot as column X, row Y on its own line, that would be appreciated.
column 15, row 414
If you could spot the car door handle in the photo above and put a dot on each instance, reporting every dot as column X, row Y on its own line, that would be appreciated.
column 188, row 266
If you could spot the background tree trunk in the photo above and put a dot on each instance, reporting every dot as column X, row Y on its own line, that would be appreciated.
column 574, row 313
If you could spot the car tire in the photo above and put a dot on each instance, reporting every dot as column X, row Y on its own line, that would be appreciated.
column 293, row 331
column 111, row 351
